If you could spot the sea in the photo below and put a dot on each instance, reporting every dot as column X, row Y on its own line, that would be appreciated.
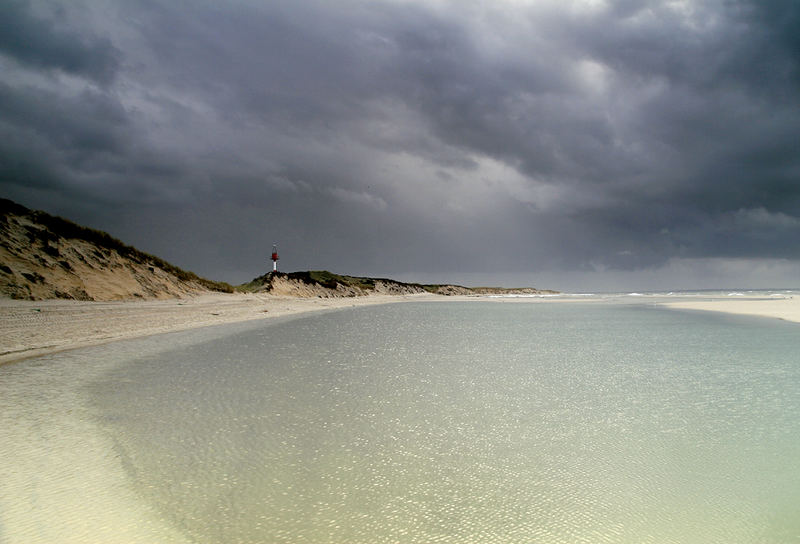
column 440, row 422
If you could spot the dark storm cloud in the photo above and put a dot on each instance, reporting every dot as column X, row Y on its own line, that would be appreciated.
column 43, row 42
column 383, row 137
column 88, row 122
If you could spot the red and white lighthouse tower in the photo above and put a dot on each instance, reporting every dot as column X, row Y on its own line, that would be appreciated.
column 275, row 257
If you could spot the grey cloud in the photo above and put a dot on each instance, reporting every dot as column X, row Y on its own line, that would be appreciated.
column 384, row 137
column 90, row 121
column 777, row 22
column 45, row 42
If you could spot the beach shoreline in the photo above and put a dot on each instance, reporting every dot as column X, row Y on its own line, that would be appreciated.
column 83, row 432
column 34, row 328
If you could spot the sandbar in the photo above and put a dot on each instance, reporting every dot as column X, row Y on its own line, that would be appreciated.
column 786, row 308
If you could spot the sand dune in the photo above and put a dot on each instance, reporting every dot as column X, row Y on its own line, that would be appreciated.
column 47, row 257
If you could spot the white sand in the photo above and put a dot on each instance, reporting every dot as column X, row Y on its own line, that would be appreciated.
column 787, row 309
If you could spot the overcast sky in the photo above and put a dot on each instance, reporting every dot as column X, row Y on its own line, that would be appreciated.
column 575, row 145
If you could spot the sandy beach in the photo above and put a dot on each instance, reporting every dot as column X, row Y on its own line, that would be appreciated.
column 787, row 309
column 32, row 328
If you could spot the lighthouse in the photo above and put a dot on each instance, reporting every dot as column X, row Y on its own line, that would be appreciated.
column 275, row 257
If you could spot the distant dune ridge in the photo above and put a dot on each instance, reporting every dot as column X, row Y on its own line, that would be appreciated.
column 47, row 257
column 324, row 284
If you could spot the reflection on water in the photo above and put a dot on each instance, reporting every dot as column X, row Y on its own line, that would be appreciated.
column 465, row 422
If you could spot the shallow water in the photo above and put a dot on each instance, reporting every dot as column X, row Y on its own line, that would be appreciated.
column 457, row 422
